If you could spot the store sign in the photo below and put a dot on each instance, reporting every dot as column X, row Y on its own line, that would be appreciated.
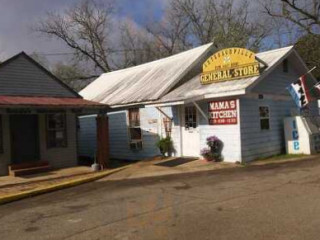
column 223, row 112
column 229, row 64
column 295, row 136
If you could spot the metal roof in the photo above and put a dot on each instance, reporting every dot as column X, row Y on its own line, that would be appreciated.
column 145, row 82
column 10, row 101
column 194, row 89
column 155, row 82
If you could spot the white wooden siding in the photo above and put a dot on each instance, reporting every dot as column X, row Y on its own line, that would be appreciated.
column 228, row 134
column 22, row 77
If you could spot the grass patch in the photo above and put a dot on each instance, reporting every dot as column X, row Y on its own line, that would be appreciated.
column 281, row 157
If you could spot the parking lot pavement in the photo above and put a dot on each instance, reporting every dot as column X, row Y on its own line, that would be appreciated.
column 277, row 201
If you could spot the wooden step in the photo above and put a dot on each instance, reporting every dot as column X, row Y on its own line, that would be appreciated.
column 29, row 168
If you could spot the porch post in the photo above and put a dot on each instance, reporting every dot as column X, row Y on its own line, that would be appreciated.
column 103, row 140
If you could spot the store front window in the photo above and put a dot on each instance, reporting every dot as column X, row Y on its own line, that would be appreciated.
column 135, row 132
column 56, row 130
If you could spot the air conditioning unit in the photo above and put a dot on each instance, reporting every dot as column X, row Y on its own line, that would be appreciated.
column 136, row 146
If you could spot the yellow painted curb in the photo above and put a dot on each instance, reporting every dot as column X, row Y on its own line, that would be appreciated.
column 40, row 190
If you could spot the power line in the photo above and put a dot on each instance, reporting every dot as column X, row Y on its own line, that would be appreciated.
column 107, row 51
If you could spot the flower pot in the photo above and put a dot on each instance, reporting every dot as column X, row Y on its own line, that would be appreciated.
column 95, row 167
column 207, row 159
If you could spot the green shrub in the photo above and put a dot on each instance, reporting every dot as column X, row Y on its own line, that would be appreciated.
column 165, row 145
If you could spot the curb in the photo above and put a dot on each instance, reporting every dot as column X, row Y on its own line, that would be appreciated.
column 279, row 161
column 41, row 190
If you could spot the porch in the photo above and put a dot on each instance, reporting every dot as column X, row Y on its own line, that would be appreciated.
column 40, row 133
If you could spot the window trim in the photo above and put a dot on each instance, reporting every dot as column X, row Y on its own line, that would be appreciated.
column 184, row 118
column 260, row 118
column 130, row 140
column 65, row 130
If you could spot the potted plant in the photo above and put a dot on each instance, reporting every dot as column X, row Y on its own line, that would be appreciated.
column 95, row 166
column 165, row 146
column 213, row 152
column 207, row 154
column 213, row 143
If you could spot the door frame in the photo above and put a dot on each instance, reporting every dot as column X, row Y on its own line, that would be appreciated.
column 182, row 128
column 37, row 138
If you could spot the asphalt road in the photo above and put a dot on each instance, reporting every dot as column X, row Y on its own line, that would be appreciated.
column 271, row 202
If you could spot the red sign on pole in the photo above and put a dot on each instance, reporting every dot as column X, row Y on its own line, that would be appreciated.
column 223, row 112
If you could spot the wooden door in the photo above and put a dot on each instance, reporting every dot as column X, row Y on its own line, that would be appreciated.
column 24, row 138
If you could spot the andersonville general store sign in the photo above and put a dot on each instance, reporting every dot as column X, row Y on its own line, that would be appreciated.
column 223, row 112
column 229, row 64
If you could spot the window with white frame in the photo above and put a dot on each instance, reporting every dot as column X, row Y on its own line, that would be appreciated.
column 190, row 117
column 264, row 113
column 56, row 130
column 135, row 132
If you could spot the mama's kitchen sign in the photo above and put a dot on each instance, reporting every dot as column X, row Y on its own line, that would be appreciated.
column 223, row 112
column 229, row 64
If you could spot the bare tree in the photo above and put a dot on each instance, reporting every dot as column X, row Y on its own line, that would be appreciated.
column 154, row 40
column 73, row 74
column 41, row 59
column 171, row 33
column 89, row 30
column 137, row 45
column 229, row 22
column 305, row 14
column 284, row 32
column 83, row 28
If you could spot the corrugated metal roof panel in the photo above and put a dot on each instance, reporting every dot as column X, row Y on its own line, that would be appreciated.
column 152, row 82
column 47, row 101
column 145, row 82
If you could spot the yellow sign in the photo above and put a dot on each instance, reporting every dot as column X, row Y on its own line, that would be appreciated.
column 229, row 64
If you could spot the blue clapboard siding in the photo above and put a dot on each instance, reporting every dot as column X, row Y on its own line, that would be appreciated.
column 277, row 81
column 119, row 134
column 87, row 141
column 257, row 143
column 228, row 134
column 22, row 77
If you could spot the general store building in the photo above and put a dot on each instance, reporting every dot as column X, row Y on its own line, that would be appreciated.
column 234, row 94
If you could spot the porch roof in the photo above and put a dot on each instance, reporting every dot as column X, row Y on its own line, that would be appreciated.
column 56, row 102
